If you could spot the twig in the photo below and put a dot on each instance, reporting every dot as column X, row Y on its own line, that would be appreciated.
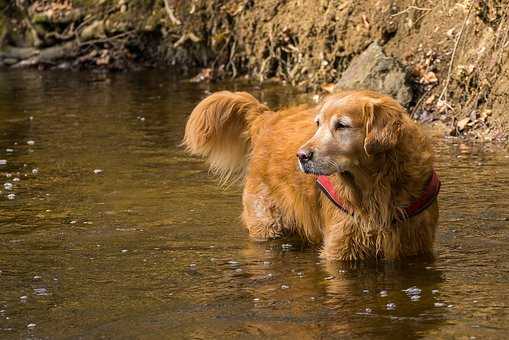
column 232, row 62
column 170, row 13
column 419, row 102
column 185, row 37
column 412, row 7
column 443, row 95
column 103, row 40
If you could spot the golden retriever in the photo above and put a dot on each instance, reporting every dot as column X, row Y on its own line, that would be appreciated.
column 373, row 163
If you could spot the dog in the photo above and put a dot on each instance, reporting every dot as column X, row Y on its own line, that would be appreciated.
column 353, row 174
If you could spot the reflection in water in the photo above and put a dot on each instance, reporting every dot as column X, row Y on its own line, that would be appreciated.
column 113, row 231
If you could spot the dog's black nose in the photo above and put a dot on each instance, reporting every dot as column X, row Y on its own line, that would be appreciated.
column 305, row 155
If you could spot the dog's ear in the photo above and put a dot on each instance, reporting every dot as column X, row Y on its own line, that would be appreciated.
column 383, row 126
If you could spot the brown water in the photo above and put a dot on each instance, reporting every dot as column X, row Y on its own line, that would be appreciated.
column 149, row 247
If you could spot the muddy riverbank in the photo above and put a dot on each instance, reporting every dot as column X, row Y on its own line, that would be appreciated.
column 451, row 57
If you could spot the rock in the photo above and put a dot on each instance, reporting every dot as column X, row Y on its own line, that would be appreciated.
column 373, row 70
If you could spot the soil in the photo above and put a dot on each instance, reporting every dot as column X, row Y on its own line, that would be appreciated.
column 455, row 52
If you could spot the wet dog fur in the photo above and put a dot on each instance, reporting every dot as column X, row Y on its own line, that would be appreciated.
column 377, row 158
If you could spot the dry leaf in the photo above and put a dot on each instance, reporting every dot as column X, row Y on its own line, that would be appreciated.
column 430, row 100
column 462, row 123
column 328, row 87
column 429, row 78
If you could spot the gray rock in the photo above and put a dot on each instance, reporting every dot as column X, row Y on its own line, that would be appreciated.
column 373, row 70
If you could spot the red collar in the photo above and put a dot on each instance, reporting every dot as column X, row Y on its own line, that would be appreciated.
column 427, row 197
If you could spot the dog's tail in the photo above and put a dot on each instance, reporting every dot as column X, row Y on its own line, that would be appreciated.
column 221, row 128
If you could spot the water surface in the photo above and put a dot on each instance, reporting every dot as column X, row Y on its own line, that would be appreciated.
column 114, row 232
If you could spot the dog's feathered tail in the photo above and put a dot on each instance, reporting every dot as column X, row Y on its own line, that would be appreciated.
column 220, row 129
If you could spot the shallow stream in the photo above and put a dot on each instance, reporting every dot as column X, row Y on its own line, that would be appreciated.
column 107, row 229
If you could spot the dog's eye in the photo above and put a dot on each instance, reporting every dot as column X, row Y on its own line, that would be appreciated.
column 340, row 125
column 317, row 123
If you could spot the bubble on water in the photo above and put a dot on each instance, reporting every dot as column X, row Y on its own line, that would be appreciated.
column 412, row 291
column 312, row 298
column 365, row 291
column 390, row 306
column 285, row 286
column 3, row 161
column 238, row 270
column 439, row 304
column 233, row 263
column 300, row 274
column 256, row 299
column 23, row 298
column 266, row 263
column 415, row 297
column 31, row 325
column 36, row 277
column 450, row 306
column 30, row 142
column 383, row 293
column 269, row 275
column 97, row 171
column 35, row 171
column 11, row 196
column 124, row 250
column 286, row 246
column 8, row 186
column 328, row 278
column 16, row 179
column 41, row 291
column 73, row 222
column 8, row 175
column 368, row 310
column 192, row 265
column 9, row 150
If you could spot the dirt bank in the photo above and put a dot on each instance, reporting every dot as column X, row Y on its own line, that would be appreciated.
column 454, row 52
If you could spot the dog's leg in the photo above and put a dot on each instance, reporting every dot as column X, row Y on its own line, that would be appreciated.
column 261, row 216
column 344, row 242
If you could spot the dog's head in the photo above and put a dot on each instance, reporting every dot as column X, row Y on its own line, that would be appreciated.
column 352, row 129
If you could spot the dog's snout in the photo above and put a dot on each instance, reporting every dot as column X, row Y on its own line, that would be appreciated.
column 305, row 155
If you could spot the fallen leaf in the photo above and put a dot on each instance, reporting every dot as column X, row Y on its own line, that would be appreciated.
column 430, row 100
column 204, row 75
column 462, row 123
column 429, row 78
column 328, row 87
